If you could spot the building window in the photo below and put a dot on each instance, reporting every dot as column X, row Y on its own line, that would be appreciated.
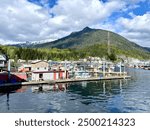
column 1, row 62
column 38, row 68
column 45, row 68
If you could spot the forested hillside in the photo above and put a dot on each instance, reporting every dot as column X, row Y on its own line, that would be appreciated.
column 98, row 50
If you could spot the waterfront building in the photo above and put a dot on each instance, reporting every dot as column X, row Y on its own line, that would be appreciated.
column 25, row 68
column 41, row 71
column 3, row 61
column 49, row 75
column 39, row 66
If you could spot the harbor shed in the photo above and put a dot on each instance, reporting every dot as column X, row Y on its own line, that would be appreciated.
column 49, row 75
column 39, row 66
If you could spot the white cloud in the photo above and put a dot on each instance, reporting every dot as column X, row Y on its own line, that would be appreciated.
column 22, row 20
column 136, row 29
column 80, row 13
column 25, row 21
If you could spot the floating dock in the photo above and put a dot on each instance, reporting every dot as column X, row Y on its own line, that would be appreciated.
column 63, row 81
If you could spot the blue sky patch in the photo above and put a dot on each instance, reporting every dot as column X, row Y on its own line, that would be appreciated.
column 50, row 3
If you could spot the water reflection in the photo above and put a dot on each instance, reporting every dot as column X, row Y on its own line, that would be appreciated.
column 5, row 89
column 84, row 89
column 48, row 88
column 7, row 101
column 104, row 88
column 95, row 92
column 120, row 85
column 97, row 96
column 80, row 96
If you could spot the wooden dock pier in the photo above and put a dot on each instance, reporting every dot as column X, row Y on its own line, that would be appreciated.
column 63, row 81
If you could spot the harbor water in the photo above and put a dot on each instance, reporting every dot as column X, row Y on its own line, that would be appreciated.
column 111, row 96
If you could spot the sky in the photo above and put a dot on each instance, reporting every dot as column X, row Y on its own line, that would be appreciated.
column 36, row 20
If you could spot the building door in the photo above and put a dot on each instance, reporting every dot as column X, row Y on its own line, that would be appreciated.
column 40, row 76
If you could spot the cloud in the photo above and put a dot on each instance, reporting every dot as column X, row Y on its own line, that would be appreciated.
column 76, row 14
column 136, row 29
column 22, row 20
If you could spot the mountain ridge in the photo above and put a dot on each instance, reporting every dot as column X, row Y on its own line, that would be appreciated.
column 93, row 42
column 88, row 36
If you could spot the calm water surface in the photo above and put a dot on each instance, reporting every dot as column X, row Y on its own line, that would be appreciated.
column 100, row 96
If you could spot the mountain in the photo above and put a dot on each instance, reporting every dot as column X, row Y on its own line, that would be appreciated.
column 93, row 42
column 87, row 37
column 147, row 48
column 29, row 44
column 23, row 45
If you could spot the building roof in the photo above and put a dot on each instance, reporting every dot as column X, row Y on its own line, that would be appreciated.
column 3, row 57
column 34, row 62
column 57, row 71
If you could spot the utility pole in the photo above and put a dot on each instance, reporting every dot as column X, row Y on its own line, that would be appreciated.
column 108, row 42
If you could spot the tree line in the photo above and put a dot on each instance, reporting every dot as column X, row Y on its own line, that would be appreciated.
column 96, row 50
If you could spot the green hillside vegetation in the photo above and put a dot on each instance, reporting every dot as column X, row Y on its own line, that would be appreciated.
column 97, row 50
column 101, row 51
column 88, row 37
column 35, row 53
column 82, row 44
column 93, row 42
